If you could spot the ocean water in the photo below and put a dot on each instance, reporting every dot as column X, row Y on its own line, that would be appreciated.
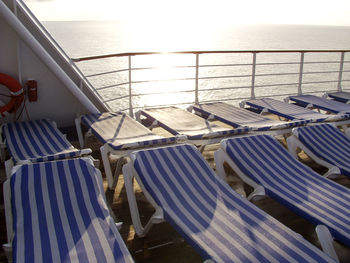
column 81, row 39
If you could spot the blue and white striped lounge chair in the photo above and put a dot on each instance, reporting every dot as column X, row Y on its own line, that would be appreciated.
column 291, row 111
column 216, row 221
column 181, row 122
column 311, row 101
column 325, row 144
column 237, row 117
column 119, row 134
column 56, row 212
column 341, row 96
column 262, row 162
column 37, row 141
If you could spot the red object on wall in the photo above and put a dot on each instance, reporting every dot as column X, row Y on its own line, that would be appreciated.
column 32, row 89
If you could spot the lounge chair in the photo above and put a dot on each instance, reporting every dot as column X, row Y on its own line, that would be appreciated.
column 36, row 141
column 341, row 96
column 311, row 101
column 216, row 221
column 181, row 122
column 119, row 134
column 262, row 162
column 325, row 144
column 56, row 212
column 291, row 111
column 237, row 117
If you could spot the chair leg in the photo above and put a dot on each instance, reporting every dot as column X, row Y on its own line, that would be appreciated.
column 107, row 166
column 218, row 158
column 8, row 167
column 326, row 241
column 292, row 146
column 79, row 132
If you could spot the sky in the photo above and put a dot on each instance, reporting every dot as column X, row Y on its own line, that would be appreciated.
column 306, row 12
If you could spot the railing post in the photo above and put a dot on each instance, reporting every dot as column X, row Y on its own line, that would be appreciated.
column 301, row 72
column 131, row 110
column 341, row 70
column 196, row 100
column 252, row 91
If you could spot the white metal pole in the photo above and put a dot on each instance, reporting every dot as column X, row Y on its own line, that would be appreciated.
column 301, row 72
column 131, row 110
column 196, row 100
column 252, row 91
column 340, row 77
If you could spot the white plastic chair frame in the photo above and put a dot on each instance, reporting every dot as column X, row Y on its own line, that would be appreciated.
column 322, row 231
column 293, row 143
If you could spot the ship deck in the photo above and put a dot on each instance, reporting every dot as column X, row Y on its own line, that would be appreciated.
column 163, row 243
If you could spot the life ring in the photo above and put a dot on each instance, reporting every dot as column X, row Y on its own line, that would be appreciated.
column 16, row 91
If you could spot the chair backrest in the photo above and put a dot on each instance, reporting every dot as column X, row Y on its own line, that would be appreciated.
column 120, row 131
column 287, row 110
column 320, row 200
column 214, row 219
column 37, row 141
column 328, row 143
column 236, row 117
column 179, row 121
column 321, row 103
column 60, row 215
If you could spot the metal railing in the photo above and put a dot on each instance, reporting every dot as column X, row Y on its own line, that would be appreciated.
column 209, row 76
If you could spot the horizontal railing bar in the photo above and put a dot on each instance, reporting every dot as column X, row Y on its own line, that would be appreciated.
column 159, row 80
column 112, row 86
column 118, row 98
column 161, row 93
column 106, row 73
column 204, row 52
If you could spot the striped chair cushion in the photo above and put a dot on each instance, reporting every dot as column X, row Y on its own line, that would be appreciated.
column 321, row 103
column 241, row 117
column 38, row 141
column 291, row 111
column 179, row 121
column 292, row 183
column 214, row 219
column 121, row 131
column 60, row 215
column 328, row 143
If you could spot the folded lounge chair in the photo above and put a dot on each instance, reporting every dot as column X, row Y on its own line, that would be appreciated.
column 291, row 111
column 119, row 135
column 181, row 122
column 237, row 117
column 215, row 220
column 262, row 162
column 36, row 141
column 56, row 212
column 325, row 144
column 311, row 101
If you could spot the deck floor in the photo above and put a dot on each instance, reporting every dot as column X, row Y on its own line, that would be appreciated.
column 163, row 244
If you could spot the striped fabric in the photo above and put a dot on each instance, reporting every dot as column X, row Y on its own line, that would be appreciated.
column 213, row 218
column 60, row 215
column 179, row 121
column 236, row 117
column 321, row 103
column 291, row 111
column 340, row 96
column 120, row 131
column 38, row 141
column 318, row 199
column 328, row 143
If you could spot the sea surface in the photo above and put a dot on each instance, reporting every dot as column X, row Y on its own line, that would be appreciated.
column 82, row 39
